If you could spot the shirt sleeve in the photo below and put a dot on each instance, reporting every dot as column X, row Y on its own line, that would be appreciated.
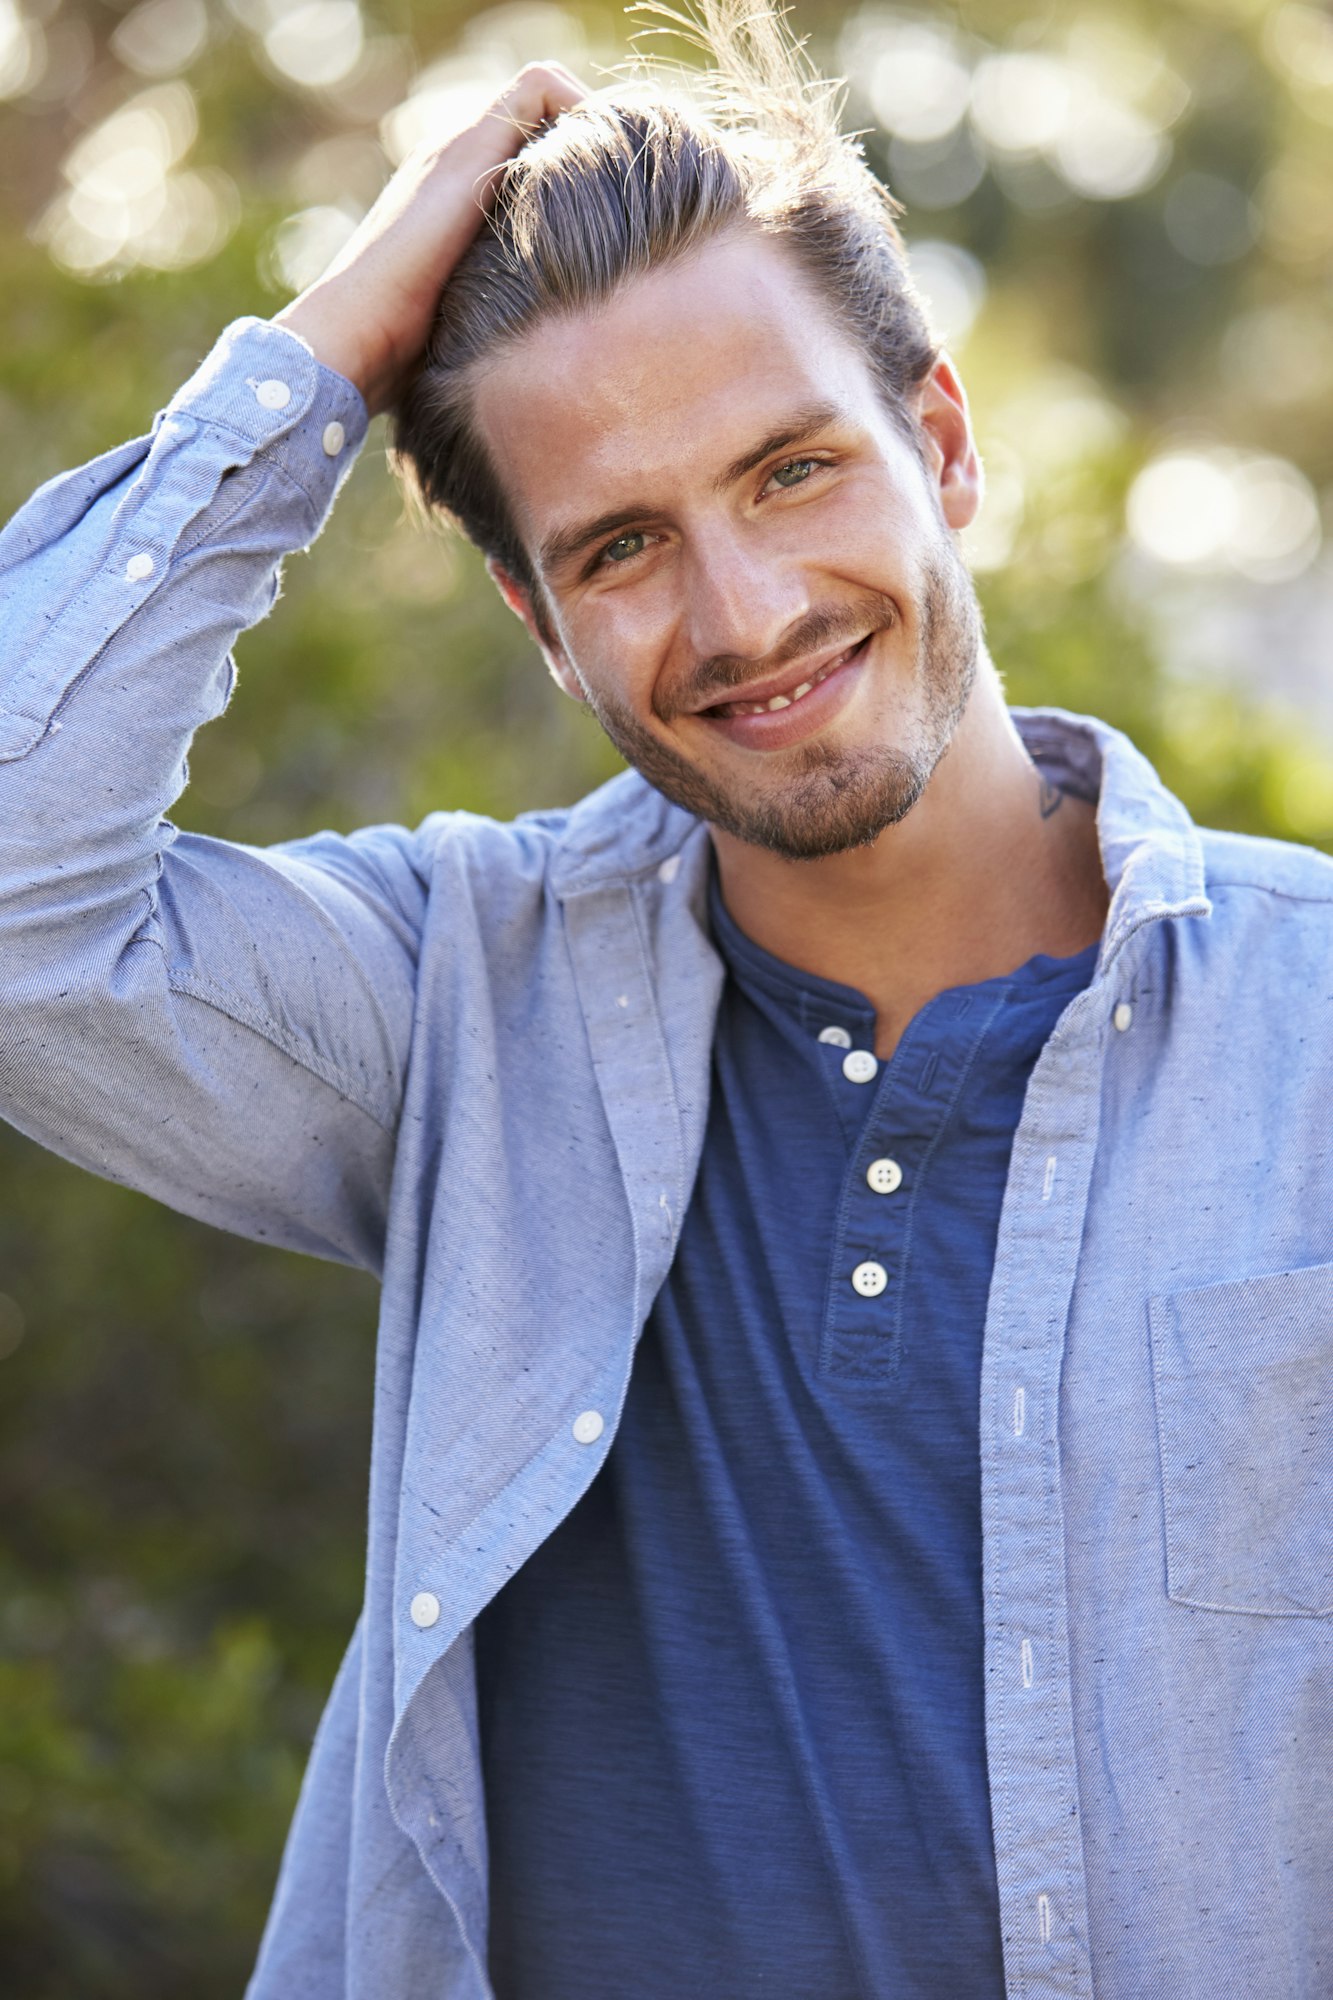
column 224, row 1027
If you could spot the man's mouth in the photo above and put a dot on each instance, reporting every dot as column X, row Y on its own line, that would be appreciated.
column 786, row 697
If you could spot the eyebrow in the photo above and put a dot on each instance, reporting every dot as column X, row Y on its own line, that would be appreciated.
column 817, row 417
column 561, row 547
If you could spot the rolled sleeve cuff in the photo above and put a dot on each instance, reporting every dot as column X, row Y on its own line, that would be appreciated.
column 262, row 385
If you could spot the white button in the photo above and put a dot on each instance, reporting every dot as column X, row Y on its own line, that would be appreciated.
column 139, row 567
column 273, row 395
column 869, row 1280
column 884, row 1176
column 424, row 1610
column 335, row 437
column 860, row 1066
column 670, row 869
column 837, row 1038
column 1123, row 1015
column 588, row 1426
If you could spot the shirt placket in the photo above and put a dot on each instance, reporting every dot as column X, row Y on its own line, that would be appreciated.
column 1029, row 1713
column 918, row 1090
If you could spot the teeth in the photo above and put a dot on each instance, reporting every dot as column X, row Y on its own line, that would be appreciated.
column 785, row 700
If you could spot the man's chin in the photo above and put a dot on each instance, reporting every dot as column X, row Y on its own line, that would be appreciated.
column 827, row 813
column 837, row 803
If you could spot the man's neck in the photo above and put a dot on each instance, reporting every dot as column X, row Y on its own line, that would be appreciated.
column 991, row 867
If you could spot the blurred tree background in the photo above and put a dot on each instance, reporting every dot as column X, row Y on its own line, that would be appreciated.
column 1122, row 218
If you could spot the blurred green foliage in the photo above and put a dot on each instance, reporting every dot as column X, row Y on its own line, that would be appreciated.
column 184, row 1422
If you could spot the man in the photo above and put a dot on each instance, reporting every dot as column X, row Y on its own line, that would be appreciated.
column 942, row 1115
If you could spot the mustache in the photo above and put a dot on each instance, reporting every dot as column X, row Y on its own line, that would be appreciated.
column 717, row 677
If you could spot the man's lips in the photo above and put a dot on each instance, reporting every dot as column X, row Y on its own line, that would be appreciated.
column 781, row 690
column 801, row 713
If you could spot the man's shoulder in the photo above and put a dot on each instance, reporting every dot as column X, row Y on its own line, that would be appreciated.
column 1271, row 934
column 622, row 830
column 1280, row 869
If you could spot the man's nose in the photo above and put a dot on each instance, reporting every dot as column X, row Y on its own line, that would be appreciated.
column 742, row 598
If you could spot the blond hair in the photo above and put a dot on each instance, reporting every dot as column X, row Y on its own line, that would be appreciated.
column 660, row 163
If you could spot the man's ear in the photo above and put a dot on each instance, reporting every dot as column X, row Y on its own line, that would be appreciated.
column 951, row 452
column 519, row 600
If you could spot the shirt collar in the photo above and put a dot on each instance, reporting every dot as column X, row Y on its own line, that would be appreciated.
column 1152, row 856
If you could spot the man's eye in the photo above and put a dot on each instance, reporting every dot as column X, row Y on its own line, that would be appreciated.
column 794, row 471
column 623, row 547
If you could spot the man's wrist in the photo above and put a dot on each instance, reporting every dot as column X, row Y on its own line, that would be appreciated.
column 329, row 345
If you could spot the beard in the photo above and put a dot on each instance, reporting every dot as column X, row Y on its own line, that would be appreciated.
column 829, row 799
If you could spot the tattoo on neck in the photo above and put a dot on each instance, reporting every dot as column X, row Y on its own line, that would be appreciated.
column 1049, row 798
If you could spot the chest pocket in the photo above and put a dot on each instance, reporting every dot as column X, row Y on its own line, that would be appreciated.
column 1243, row 1377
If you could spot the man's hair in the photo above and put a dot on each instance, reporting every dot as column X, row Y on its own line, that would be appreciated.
column 631, row 178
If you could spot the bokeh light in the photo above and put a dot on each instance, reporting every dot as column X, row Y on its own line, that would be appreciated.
column 22, row 50
column 1020, row 100
column 1215, row 509
column 444, row 97
column 1299, row 42
column 952, row 283
column 919, row 83
column 1096, row 108
column 161, row 37
column 316, row 42
column 303, row 245
column 129, row 202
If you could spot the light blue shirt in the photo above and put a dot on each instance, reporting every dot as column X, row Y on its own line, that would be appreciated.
column 475, row 1059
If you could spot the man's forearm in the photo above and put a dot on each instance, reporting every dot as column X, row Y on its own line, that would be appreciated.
column 207, row 1022
column 122, row 589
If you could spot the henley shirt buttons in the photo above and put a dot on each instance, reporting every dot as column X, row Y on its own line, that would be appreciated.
column 884, row 1176
column 869, row 1280
column 139, row 567
column 860, row 1066
column 670, row 869
column 1123, row 1015
column 424, row 1610
column 588, row 1426
column 335, row 437
column 272, row 395
column 837, row 1038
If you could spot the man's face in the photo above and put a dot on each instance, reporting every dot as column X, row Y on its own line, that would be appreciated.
column 747, row 570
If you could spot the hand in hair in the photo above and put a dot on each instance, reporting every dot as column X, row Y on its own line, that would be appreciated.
column 369, row 315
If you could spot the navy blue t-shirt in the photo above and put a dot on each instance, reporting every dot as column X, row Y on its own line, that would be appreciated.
column 732, row 1709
